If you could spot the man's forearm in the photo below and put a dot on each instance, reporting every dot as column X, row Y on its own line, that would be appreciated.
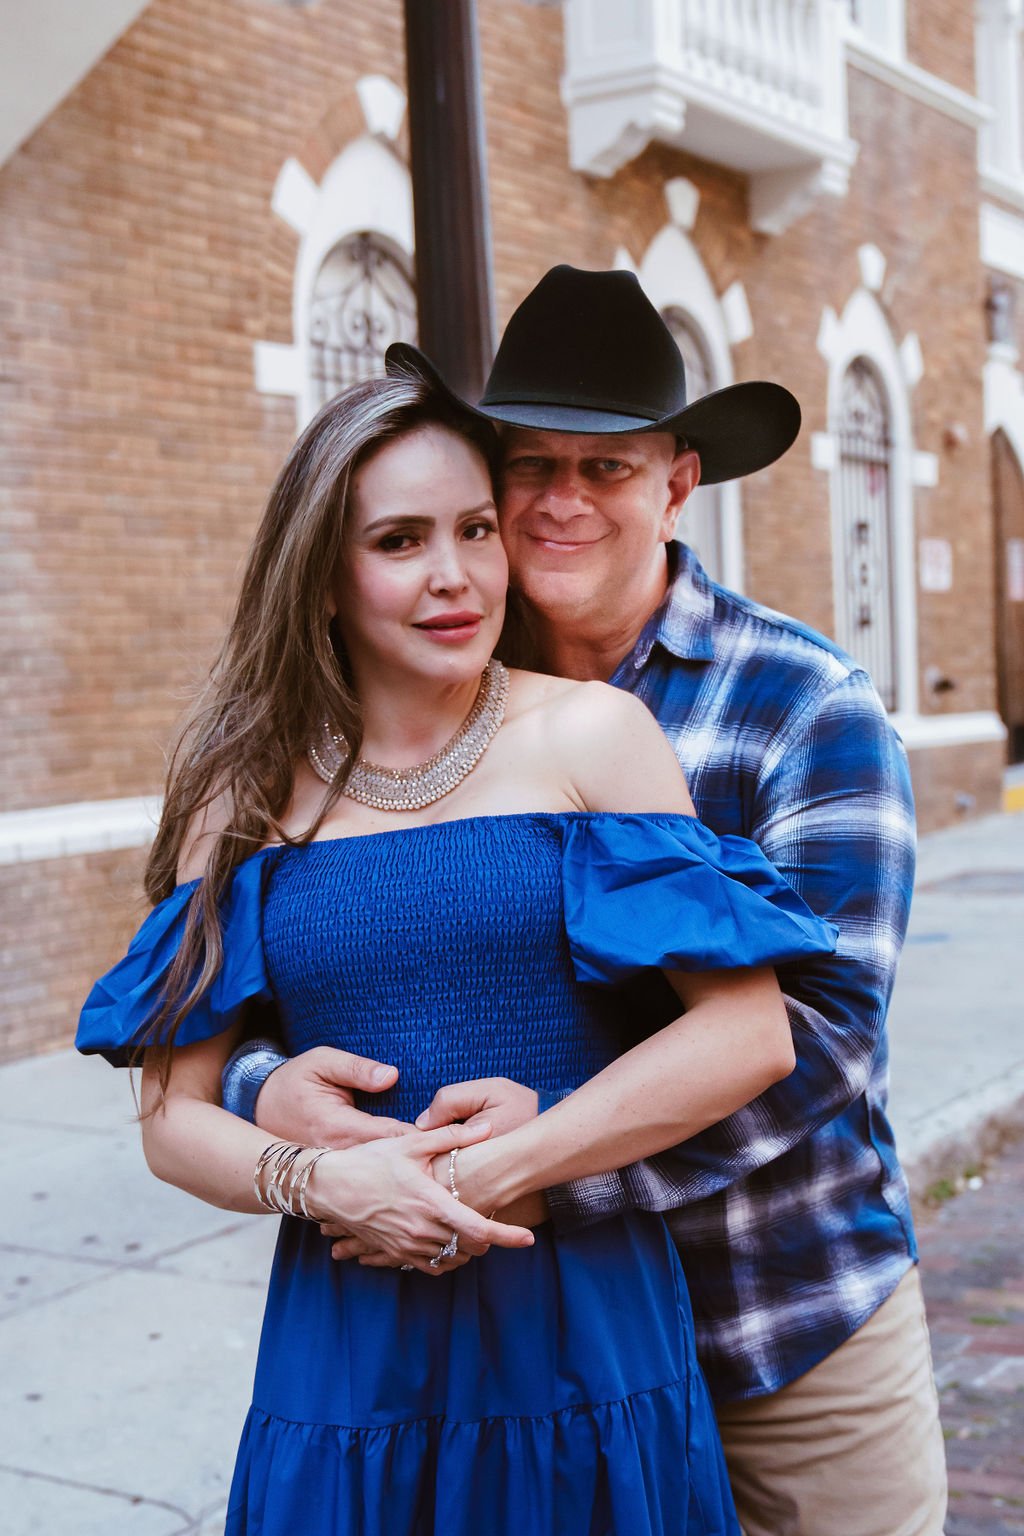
column 246, row 1071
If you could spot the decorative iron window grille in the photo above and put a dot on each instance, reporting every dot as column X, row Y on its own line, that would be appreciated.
column 700, row 525
column 865, row 606
column 363, row 300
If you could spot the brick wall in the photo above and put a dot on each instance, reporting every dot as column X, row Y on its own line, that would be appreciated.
column 65, row 922
column 142, row 260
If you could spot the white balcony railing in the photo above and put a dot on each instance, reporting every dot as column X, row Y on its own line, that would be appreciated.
column 757, row 85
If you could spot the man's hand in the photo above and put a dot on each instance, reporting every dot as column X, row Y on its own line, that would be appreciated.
column 311, row 1099
column 385, row 1197
column 505, row 1105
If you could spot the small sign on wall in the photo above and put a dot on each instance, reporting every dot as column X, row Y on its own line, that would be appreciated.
column 1015, row 570
column 935, row 565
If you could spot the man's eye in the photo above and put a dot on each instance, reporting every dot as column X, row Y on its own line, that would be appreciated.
column 526, row 464
column 611, row 466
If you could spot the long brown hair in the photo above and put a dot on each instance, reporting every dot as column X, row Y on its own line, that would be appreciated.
column 281, row 671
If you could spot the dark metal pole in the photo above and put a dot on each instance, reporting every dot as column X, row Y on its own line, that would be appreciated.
column 449, row 178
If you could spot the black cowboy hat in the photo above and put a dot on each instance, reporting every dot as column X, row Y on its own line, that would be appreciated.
column 588, row 352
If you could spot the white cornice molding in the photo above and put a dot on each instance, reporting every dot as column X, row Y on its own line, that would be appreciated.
column 86, row 826
column 1001, row 240
column 920, row 731
column 917, row 83
column 1009, row 189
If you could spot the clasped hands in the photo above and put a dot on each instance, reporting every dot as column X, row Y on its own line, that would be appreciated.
column 389, row 1196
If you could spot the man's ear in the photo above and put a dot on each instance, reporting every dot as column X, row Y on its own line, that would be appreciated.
column 683, row 480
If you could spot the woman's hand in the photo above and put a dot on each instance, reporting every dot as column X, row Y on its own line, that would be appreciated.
column 386, row 1198
column 504, row 1104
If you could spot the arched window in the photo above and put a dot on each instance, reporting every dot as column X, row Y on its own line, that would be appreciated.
column 362, row 300
column 865, row 608
column 700, row 525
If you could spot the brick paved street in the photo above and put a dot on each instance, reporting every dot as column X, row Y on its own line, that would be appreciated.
column 972, row 1265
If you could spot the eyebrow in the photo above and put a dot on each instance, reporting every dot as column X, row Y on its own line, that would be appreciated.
column 420, row 521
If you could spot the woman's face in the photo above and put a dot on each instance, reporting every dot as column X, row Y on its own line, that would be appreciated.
column 421, row 588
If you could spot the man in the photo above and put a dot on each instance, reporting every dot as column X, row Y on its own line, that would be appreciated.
column 792, row 1217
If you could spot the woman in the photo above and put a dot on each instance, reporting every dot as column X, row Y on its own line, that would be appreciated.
column 481, row 913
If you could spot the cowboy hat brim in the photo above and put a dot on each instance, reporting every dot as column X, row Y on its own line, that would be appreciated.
column 736, row 431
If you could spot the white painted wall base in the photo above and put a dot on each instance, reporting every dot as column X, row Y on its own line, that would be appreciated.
column 919, row 731
column 87, row 826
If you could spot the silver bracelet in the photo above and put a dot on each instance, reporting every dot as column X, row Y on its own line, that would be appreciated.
column 280, row 1179
column 270, row 1151
column 449, row 1249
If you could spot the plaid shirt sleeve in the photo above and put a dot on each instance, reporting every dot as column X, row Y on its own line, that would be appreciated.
column 834, row 813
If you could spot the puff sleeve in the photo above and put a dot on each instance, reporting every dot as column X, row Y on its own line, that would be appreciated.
column 122, row 1004
column 643, row 891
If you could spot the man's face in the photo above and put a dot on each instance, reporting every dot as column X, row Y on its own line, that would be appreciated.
column 585, row 518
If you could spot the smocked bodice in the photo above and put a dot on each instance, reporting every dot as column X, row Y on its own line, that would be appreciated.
column 443, row 950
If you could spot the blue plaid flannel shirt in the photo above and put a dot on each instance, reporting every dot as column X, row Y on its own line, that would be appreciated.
column 792, row 1217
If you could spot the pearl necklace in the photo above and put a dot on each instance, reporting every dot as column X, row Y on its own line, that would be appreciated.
column 410, row 789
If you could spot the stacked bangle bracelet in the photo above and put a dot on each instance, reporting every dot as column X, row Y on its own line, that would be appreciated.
column 281, row 1177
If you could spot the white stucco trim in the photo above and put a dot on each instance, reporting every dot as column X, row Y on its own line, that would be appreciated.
column 863, row 331
column 683, row 200
column 278, row 368
column 915, row 82
column 924, row 469
column 911, row 359
column 295, row 194
column 672, row 274
column 824, row 454
column 920, row 731
column 872, row 267
column 1003, row 396
column 739, row 323
column 383, row 104
column 86, row 826
column 1002, row 240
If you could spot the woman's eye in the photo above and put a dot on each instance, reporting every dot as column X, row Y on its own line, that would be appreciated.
column 393, row 542
column 478, row 531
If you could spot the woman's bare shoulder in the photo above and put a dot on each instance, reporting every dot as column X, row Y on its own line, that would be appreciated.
column 564, row 700
column 203, row 830
column 571, row 707
column 610, row 749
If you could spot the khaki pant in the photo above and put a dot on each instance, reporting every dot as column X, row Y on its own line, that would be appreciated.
column 852, row 1448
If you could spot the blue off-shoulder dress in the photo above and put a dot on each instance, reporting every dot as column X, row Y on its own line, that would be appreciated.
column 553, row 1390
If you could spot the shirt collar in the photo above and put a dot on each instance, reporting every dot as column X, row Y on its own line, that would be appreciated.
column 682, row 622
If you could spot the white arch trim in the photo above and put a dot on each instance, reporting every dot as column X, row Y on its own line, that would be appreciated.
column 1003, row 387
column 863, row 331
column 366, row 188
column 673, row 275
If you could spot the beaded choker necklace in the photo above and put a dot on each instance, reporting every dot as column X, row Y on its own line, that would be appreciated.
column 410, row 789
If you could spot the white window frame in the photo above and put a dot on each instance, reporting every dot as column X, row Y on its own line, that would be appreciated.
column 366, row 189
column 882, row 25
column 674, row 277
column 863, row 331
column 999, row 56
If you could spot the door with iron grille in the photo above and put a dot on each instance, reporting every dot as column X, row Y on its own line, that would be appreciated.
column 363, row 300
column 865, row 608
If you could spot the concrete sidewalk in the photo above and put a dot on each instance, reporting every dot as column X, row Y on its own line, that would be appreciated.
column 129, row 1313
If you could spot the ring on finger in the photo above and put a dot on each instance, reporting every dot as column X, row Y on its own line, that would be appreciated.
column 448, row 1250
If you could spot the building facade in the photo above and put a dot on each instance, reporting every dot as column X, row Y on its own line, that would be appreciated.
column 206, row 230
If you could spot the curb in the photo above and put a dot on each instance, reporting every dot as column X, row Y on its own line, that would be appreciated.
column 964, row 1133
